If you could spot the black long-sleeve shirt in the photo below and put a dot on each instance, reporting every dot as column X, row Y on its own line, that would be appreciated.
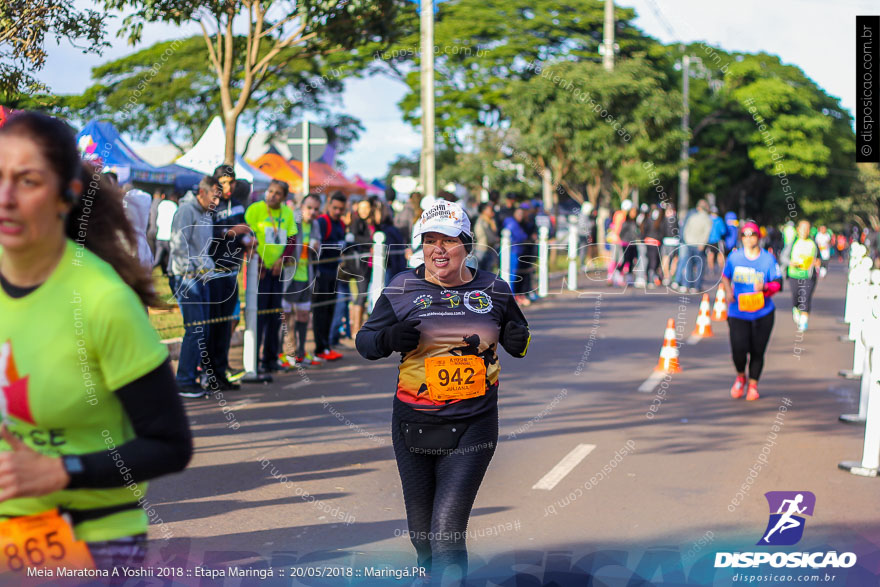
column 460, row 321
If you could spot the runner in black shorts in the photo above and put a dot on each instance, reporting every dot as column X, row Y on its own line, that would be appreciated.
column 446, row 320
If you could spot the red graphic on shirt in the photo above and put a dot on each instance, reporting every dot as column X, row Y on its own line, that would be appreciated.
column 14, row 401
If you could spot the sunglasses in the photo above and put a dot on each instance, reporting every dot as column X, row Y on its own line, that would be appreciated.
column 749, row 233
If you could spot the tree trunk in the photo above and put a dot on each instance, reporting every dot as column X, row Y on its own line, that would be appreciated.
column 230, row 121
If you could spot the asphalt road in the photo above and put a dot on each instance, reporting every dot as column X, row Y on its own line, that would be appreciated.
column 649, row 495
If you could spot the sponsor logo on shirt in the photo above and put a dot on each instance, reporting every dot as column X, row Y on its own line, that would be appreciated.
column 453, row 298
column 423, row 301
column 478, row 302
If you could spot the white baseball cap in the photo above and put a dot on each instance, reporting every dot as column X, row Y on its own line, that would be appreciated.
column 444, row 217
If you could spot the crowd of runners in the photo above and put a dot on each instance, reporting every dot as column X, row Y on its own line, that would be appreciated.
column 71, row 237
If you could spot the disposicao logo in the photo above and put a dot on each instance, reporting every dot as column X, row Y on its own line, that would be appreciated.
column 786, row 528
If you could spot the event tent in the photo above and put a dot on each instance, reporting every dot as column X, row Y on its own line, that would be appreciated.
column 209, row 151
column 322, row 177
column 369, row 188
column 325, row 179
column 100, row 142
column 277, row 167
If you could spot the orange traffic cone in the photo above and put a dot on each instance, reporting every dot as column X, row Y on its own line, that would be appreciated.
column 704, row 322
column 669, row 352
column 719, row 310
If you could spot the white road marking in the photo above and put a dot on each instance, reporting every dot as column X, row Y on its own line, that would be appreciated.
column 694, row 339
column 564, row 467
column 651, row 382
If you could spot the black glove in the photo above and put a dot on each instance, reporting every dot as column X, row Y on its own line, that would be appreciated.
column 402, row 337
column 515, row 338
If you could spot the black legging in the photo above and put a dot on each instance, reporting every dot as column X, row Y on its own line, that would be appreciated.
column 439, row 490
column 748, row 341
column 630, row 256
column 802, row 292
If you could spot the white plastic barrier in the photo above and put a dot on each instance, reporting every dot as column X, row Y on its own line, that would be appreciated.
column 377, row 281
column 857, row 283
column 505, row 257
column 572, row 252
column 543, row 262
column 251, row 345
column 869, row 465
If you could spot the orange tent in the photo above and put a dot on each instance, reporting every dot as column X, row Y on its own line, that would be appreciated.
column 276, row 167
column 324, row 179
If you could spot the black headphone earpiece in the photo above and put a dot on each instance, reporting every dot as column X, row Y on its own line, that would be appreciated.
column 69, row 196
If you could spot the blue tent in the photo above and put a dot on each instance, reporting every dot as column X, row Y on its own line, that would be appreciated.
column 185, row 179
column 100, row 142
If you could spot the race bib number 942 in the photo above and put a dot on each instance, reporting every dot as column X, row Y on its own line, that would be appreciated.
column 43, row 540
column 455, row 377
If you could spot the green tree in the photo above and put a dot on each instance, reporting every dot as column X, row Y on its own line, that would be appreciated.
column 276, row 34
column 24, row 28
column 593, row 128
column 769, row 140
column 481, row 46
column 170, row 90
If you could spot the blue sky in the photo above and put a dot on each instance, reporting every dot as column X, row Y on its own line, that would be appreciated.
column 816, row 35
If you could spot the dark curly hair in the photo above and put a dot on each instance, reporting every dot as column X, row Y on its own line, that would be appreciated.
column 97, row 218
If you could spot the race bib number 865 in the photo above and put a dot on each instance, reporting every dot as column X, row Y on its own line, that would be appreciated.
column 42, row 540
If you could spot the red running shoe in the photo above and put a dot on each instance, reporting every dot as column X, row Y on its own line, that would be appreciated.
column 736, row 391
column 752, row 395
column 329, row 355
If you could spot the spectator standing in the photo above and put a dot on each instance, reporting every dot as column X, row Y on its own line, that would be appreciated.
column 518, row 239
column 165, row 212
column 137, row 210
column 275, row 230
column 715, row 251
column 189, row 265
column 232, row 236
column 297, row 298
column 332, row 231
column 695, row 232
column 407, row 217
column 395, row 245
column 486, row 236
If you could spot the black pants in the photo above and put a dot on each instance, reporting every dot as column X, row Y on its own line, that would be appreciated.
column 653, row 261
column 802, row 292
column 630, row 256
column 269, row 323
column 748, row 341
column 224, row 293
column 323, row 304
column 439, row 490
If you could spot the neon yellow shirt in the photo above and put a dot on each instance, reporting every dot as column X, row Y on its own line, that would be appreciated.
column 803, row 255
column 302, row 264
column 272, row 228
column 64, row 349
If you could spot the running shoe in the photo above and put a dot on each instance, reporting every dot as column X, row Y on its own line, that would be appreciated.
column 736, row 391
column 330, row 355
column 796, row 316
column 307, row 361
column 752, row 395
column 803, row 323
column 234, row 376
column 284, row 362
column 192, row 391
